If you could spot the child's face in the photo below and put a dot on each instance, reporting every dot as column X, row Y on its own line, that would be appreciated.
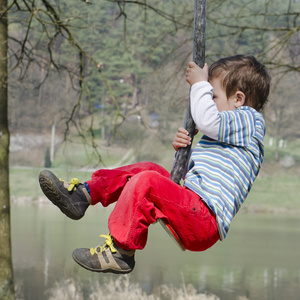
column 220, row 98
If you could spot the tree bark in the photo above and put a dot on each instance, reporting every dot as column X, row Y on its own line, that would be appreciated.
column 6, row 270
column 198, row 57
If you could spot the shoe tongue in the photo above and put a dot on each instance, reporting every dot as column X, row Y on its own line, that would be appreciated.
column 66, row 185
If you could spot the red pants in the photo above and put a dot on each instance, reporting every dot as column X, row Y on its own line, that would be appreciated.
column 144, row 193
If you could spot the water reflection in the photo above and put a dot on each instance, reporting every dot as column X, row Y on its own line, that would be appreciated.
column 258, row 260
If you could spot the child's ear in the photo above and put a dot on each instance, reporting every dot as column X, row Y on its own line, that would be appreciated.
column 240, row 99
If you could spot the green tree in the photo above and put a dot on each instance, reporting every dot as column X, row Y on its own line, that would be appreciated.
column 47, row 27
column 71, row 56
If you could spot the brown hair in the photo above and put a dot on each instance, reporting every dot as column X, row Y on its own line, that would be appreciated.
column 243, row 73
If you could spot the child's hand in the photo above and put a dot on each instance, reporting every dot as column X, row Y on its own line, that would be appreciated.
column 181, row 139
column 195, row 74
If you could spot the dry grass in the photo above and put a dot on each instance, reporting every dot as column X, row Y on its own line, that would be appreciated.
column 122, row 288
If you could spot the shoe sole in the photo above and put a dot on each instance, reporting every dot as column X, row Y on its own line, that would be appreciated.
column 49, row 188
column 106, row 270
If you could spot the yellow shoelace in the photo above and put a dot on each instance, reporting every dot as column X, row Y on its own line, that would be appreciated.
column 108, row 242
column 72, row 183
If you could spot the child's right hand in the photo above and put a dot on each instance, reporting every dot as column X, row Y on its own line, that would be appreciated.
column 195, row 74
column 181, row 139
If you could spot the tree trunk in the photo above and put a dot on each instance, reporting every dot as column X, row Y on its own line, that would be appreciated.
column 6, row 270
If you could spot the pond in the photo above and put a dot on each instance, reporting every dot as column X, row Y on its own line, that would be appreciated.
column 258, row 260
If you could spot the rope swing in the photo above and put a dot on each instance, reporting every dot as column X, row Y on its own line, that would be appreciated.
column 183, row 153
column 198, row 57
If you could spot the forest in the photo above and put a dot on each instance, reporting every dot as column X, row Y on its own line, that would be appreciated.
column 103, row 64
column 86, row 83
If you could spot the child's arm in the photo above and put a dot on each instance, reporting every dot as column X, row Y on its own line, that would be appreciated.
column 203, row 109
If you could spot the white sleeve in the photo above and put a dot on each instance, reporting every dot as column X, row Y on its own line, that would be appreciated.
column 204, row 110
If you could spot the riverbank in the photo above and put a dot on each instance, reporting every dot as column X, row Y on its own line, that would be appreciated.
column 246, row 209
column 275, row 191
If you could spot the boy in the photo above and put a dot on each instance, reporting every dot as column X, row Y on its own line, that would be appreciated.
column 225, row 100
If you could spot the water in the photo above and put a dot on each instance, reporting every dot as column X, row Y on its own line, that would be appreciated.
column 259, row 259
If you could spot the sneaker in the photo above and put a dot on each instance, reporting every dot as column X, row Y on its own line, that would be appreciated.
column 107, row 258
column 71, row 198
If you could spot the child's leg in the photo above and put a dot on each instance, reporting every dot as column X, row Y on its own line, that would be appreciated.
column 106, row 185
column 146, row 197
column 71, row 198
column 149, row 196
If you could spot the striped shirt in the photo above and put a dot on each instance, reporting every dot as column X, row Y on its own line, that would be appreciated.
column 222, row 170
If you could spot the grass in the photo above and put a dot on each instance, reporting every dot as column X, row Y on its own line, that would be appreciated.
column 275, row 189
column 122, row 288
column 77, row 155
